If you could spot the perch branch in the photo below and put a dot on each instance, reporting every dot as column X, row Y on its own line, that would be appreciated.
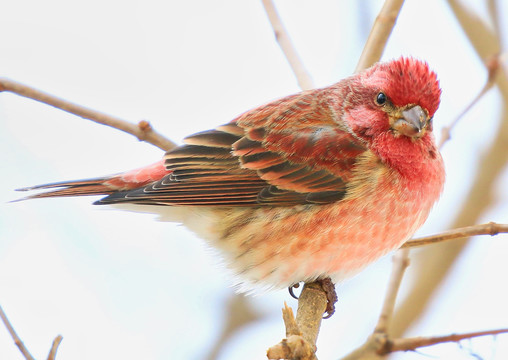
column 311, row 306
column 143, row 130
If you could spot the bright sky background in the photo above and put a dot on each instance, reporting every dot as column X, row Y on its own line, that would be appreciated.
column 120, row 285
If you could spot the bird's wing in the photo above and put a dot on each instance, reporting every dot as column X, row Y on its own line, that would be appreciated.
column 289, row 152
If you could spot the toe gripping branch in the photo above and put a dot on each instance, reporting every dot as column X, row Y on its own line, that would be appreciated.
column 329, row 289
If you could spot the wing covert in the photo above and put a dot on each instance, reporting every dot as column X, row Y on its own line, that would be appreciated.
column 289, row 152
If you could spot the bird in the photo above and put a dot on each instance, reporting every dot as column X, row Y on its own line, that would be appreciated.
column 314, row 186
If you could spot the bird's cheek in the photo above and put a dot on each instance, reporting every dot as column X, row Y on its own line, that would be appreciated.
column 366, row 122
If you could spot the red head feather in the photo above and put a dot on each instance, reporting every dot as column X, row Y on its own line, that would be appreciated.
column 406, row 81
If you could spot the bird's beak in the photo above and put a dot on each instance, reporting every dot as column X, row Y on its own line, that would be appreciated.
column 412, row 122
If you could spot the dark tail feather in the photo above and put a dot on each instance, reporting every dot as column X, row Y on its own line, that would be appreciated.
column 70, row 188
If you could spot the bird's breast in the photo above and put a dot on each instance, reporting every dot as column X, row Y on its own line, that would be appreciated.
column 280, row 246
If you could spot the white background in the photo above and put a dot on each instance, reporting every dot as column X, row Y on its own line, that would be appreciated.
column 120, row 285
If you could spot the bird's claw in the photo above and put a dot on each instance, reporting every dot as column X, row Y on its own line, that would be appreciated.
column 291, row 292
column 329, row 289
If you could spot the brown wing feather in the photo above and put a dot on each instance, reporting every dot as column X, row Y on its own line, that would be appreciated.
column 254, row 161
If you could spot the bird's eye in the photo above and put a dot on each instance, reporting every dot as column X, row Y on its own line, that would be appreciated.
column 381, row 98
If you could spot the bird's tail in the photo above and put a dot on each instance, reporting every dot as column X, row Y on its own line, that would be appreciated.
column 98, row 186
column 101, row 186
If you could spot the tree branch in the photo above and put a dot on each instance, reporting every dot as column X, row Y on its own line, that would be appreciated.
column 143, row 130
column 54, row 347
column 15, row 336
column 311, row 306
column 400, row 263
column 490, row 228
column 19, row 343
column 379, row 34
column 379, row 345
column 302, row 76
column 493, row 65
column 422, row 341
column 294, row 346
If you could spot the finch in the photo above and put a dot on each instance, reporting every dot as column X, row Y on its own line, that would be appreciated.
column 315, row 185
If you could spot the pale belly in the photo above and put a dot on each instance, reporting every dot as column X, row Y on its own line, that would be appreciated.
column 277, row 247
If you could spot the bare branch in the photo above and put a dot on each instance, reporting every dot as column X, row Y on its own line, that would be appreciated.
column 485, row 41
column 294, row 346
column 418, row 342
column 301, row 74
column 379, row 34
column 493, row 65
column 493, row 8
column 15, row 336
column 143, row 131
column 490, row 228
column 379, row 345
column 54, row 347
column 239, row 313
column 400, row 263
column 290, row 321
column 311, row 306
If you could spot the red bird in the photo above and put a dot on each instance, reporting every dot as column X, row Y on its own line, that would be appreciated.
column 315, row 185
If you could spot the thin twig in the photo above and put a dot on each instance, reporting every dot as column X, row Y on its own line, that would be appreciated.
column 493, row 65
column 400, row 263
column 379, row 345
column 54, row 347
column 240, row 312
column 301, row 74
column 379, row 34
column 418, row 342
column 143, row 130
column 490, row 228
column 290, row 321
column 15, row 336
column 294, row 346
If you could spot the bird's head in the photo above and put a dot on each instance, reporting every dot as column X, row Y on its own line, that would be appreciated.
column 398, row 98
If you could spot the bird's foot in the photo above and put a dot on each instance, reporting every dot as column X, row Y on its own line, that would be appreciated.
column 329, row 289
column 331, row 296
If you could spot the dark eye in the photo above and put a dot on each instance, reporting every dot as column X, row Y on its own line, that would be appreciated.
column 381, row 98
